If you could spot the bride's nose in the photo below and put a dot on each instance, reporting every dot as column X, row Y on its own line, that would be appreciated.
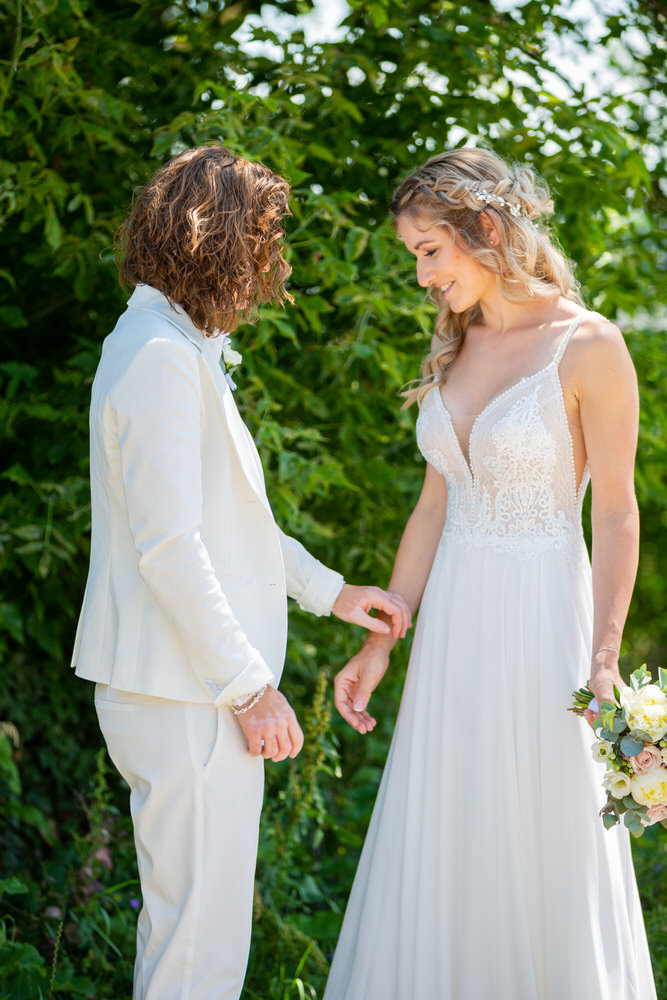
column 424, row 273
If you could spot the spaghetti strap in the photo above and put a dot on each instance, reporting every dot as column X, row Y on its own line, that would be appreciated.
column 569, row 333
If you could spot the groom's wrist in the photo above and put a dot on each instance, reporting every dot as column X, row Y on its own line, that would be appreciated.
column 240, row 706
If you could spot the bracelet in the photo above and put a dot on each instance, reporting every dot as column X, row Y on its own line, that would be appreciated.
column 609, row 649
column 251, row 704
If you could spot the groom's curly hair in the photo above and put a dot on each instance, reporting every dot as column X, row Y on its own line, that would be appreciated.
column 206, row 231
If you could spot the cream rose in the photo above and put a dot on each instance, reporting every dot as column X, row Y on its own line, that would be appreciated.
column 646, row 759
column 601, row 751
column 617, row 784
column 650, row 788
column 646, row 710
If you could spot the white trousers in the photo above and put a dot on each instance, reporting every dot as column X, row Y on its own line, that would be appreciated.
column 195, row 799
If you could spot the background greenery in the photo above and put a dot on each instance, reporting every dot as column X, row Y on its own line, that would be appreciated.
column 93, row 97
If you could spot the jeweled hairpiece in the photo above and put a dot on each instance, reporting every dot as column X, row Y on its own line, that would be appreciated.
column 490, row 198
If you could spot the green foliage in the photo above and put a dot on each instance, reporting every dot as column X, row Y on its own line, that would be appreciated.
column 93, row 97
column 650, row 859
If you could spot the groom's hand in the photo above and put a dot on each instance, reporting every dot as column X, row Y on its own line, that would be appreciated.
column 353, row 604
column 271, row 728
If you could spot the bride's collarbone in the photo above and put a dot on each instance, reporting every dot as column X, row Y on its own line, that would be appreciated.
column 466, row 398
column 478, row 377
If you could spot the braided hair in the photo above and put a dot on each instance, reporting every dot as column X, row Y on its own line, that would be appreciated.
column 451, row 190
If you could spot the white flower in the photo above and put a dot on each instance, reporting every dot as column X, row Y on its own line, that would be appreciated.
column 646, row 710
column 650, row 788
column 601, row 750
column 231, row 357
column 617, row 784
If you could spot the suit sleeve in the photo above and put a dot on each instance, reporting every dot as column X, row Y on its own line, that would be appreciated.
column 313, row 585
column 157, row 408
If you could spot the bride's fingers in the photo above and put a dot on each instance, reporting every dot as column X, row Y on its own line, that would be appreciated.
column 343, row 702
column 589, row 716
column 366, row 723
column 361, row 721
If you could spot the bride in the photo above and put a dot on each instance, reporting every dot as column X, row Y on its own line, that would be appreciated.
column 486, row 872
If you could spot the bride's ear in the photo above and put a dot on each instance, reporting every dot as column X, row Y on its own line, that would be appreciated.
column 490, row 230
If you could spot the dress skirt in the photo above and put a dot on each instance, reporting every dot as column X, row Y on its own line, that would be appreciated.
column 486, row 872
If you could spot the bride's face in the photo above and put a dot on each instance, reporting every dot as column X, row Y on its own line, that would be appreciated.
column 443, row 264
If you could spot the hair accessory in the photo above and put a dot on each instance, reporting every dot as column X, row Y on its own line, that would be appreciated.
column 490, row 198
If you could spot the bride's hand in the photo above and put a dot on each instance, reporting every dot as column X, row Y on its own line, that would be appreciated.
column 604, row 675
column 355, row 683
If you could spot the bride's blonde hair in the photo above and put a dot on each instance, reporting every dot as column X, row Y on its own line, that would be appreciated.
column 452, row 190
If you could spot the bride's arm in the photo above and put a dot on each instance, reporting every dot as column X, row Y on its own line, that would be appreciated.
column 609, row 408
column 357, row 680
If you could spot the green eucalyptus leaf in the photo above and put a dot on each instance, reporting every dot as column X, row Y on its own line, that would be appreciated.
column 631, row 746
column 639, row 734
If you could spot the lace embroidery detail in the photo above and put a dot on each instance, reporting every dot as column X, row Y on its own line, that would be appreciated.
column 518, row 493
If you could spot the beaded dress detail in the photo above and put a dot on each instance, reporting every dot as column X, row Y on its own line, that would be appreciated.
column 518, row 494
column 486, row 872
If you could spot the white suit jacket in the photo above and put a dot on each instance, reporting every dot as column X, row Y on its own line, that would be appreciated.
column 189, row 574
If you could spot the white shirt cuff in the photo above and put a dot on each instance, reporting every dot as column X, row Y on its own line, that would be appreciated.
column 321, row 591
column 254, row 677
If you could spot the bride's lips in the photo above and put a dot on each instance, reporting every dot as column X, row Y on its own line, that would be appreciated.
column 446, row 288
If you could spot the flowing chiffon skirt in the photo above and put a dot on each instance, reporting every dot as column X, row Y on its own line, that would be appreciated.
column 486, row 873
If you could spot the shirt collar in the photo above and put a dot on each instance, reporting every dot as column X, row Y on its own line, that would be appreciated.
column 145, row 298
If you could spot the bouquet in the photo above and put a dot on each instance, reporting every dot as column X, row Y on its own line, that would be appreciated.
column 632, row 743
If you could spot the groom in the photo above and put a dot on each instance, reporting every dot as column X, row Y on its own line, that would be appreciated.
column 183, row 625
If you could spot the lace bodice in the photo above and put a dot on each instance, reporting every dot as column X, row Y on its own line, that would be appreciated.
column 518, row 492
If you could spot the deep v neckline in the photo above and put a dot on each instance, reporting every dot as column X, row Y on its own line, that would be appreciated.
column 466, row 456
column 467, row 460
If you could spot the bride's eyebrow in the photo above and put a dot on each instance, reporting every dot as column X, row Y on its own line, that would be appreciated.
column 415, row 248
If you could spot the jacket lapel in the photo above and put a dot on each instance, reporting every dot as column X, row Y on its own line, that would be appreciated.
column 147, row 299
column 241, row 436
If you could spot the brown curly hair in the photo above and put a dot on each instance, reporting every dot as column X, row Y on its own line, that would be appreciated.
column 206, row 231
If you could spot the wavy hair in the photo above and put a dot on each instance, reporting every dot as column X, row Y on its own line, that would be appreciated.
column 452, row 190
column 206, row 231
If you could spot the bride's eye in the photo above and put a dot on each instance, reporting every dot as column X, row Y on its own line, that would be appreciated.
column 429, row 253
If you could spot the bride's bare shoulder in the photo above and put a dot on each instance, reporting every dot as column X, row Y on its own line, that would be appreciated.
column 595, row 330
column 598, row 352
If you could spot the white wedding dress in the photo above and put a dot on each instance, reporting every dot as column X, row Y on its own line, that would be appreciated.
column 486, row 873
